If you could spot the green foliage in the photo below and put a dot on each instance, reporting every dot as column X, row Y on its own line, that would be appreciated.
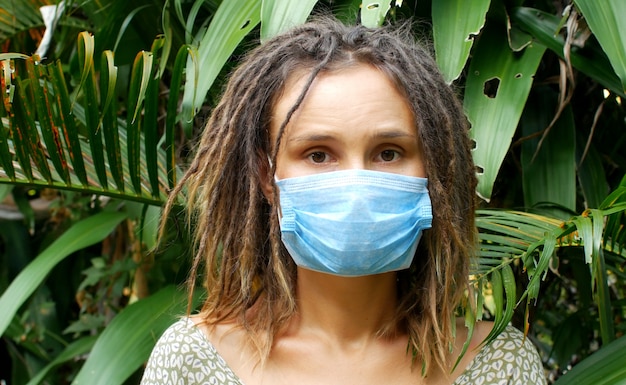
column 280, row 15
column 455, row 25
column 126, row 343
column 605, row 367
column 605, row 22
column 79, row 236
column 97, row 132
column 498, row 79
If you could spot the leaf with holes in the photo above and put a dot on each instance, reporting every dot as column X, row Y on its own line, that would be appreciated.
column 497, row 87
column 373, row 12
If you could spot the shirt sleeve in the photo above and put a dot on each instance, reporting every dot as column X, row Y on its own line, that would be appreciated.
column 184, row 356
column 511, row 359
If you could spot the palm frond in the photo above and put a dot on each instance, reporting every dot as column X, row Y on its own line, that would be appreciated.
column 19, row 16
column 513, row 238
column 50, row 137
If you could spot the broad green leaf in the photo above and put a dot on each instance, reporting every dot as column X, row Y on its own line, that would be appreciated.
column 233, row 20
column 498, row 84
column 373, row 12
column 549, row 171
column 72, row 351
column 80, row 235
column 606, row 20
column 593, row 182
column 127, row 341
column 455, row 24
column 280, row 15
column 604, row 367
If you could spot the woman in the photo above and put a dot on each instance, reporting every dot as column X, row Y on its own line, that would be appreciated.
column 332, row 201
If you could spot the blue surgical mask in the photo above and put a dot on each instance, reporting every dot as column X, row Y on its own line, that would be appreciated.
column 353, row 222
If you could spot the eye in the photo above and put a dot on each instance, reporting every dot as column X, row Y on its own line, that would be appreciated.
column 389, row 155
column 318, row 157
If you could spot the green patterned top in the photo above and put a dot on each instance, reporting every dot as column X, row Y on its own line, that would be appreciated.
column 184, row 356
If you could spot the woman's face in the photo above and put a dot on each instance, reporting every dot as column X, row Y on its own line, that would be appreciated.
column 350, row 119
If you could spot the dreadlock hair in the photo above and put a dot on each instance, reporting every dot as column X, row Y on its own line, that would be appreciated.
column 249, row 276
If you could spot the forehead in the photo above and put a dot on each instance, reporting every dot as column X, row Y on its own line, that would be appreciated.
column 331, row 89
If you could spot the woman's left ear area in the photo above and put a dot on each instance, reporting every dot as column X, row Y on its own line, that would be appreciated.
column 265, row 175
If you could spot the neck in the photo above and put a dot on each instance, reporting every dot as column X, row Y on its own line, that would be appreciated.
column 347, row 310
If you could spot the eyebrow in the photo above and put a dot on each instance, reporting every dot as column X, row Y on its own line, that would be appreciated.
column 391, row 134
column 384, row 134
column 311, row 138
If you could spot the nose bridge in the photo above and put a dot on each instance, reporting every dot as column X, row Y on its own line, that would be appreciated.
column 355, row 159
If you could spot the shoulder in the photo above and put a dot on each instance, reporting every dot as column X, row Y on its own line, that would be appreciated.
column 509, row 359
column 184, row 355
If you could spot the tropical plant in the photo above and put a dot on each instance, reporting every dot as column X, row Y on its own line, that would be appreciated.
column 106, row 136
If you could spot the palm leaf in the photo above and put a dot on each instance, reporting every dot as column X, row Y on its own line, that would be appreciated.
column 49, row 138
column 19, row 16
column 511, row 237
